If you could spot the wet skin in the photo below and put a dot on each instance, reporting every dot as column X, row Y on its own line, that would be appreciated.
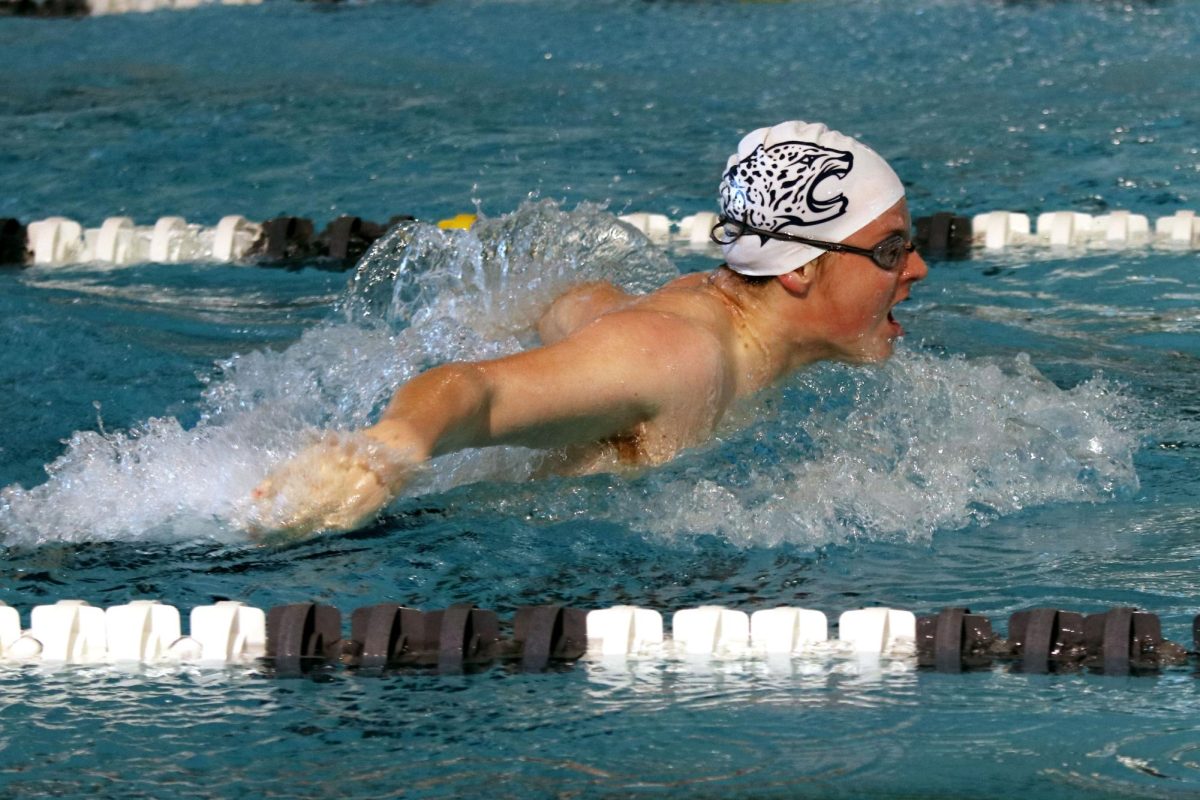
column 619, row 379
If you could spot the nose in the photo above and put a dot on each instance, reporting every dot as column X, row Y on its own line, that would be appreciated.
column 915, row 268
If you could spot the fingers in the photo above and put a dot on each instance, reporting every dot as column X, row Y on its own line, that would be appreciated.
column 310, row 495
column 264, row 490
column 339, row 483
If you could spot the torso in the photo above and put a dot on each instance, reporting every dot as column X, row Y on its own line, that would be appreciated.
column 694, row 415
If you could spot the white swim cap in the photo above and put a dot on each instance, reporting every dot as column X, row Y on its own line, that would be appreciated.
column 802, row 179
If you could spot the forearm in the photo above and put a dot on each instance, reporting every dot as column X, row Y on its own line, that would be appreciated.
column 439, row 411
column 342, row 480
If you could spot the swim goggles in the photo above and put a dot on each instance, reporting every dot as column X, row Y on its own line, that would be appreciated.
column 888, row 255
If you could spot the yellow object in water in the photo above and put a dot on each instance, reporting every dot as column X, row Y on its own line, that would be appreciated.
column 459, row 222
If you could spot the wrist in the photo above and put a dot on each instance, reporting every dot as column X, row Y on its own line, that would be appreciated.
column 399, row 439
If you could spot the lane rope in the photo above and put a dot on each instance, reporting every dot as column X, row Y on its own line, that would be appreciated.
column 79, row 8
column 298, row 638
column 59, row 241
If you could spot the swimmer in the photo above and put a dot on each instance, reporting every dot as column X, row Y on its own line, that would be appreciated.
column 816, row 236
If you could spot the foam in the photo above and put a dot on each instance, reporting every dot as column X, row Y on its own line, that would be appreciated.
column 927, row 443
column 900, row 450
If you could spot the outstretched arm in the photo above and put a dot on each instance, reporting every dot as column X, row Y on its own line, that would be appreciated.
column 602, row 380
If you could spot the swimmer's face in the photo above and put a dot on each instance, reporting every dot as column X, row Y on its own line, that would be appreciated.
column 854, row 297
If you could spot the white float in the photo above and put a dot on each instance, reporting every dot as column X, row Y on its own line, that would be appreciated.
column 710, row 630
column 170, row 239
column 233, row 237
column 70, row 631
column 10, row 627
column 696, row 229
column 656, row 227
column 1121, row 228
column 228, row 631
column 1063, row 228
column 141, row 630
column 878, row 631
column 1182, row 228
column 787, row 630
column 999, row 229
column 624, row 631
column 55, row 240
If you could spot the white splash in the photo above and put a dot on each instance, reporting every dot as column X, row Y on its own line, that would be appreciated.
column 926, row 443
column 919, row 444
column 420, row 296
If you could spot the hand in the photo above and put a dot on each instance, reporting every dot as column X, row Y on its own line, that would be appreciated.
column 339, row 483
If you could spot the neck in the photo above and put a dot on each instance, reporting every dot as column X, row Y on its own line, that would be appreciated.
column 771, row 340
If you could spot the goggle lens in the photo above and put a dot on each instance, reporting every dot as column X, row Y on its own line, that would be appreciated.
column 890, row 252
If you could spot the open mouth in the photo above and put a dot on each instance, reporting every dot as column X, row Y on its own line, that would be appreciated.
column 891, row 315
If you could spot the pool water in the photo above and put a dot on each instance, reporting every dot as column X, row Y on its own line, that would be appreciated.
column 1035, row 442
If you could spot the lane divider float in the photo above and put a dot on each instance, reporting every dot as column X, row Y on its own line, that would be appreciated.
column 949, row 235
column 74, row 632
column 293, row 241
column 298, row 638
column 79, row 8
column 282, row 241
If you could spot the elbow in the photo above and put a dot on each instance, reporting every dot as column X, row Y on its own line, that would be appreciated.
column 446, row 407
column 465, row 395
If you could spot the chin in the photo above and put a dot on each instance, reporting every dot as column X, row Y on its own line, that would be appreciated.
column 868, row 355
column 875, row 352
column 870, row 348
column 880, row 356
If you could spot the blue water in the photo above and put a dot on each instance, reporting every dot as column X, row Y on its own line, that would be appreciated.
column 1035, row 442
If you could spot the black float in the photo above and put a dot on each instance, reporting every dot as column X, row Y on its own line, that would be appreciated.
column 943, row 236
column 388, row 636
column 14, row 242
column 346, row 238
column 1125, row 640
column 955, row 639
column 383, row 635
column 45, row 8
column 1120, row 641
column 284, row 239
column 546, row 633
column 302, row 636
column 1043, row 638
column 466, row 635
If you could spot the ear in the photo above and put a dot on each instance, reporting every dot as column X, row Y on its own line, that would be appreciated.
column 799, row 281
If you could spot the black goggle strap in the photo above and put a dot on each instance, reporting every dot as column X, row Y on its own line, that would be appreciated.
column 722, row 235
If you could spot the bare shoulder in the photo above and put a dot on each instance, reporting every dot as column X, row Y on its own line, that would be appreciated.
column 680, row 336
column 577, row 307
column 656, row 347
column 653, row 350
column 583, row 304
column 657, row 370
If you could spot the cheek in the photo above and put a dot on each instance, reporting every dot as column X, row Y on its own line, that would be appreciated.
column 847, row 324
column 860, row 309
